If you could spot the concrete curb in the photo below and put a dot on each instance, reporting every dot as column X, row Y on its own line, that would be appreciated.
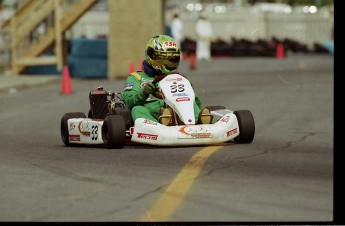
column 14, row 83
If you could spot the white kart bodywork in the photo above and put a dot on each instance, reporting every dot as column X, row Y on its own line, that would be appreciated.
column 89, row 131
column 179, row 95
column 149, row 132
column 85, row 131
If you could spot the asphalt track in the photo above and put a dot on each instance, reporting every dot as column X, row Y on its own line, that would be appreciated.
column 285, row 175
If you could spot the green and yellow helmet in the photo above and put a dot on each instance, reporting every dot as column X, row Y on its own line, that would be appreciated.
column 162, row 53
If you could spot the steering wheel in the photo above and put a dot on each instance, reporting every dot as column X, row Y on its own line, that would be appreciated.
column 159, row 78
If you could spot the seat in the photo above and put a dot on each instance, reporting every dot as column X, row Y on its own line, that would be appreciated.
column 205, row 116
column 165, row 116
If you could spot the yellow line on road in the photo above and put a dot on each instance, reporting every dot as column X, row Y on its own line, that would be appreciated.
column 174, row 194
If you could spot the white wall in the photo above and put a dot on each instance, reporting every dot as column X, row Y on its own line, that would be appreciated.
column 245, row 23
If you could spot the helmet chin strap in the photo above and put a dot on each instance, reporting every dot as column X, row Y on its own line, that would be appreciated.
column 150, row 70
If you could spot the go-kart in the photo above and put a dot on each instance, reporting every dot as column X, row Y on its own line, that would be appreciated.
column 109, row 121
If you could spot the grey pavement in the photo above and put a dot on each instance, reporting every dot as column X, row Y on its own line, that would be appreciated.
column 12, row 83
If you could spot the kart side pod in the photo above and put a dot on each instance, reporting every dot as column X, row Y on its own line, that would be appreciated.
column 149, row 132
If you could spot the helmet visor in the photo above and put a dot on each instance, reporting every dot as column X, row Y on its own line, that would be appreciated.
column 170, row 60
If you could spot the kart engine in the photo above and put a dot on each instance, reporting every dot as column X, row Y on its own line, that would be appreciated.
column 103, row 103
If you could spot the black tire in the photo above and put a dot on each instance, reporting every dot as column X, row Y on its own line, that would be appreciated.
column 64, row 126
column 114, row 132
column 215, row 107
column 246, row 125
column 89, row 115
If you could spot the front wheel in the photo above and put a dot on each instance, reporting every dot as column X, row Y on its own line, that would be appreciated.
column 64, row 125
column 114, row 131
column 246, row 126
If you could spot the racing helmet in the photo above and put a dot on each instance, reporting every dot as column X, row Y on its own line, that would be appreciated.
column 163, row 54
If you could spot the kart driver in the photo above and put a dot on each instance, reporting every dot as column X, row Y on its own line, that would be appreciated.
column 162, row 56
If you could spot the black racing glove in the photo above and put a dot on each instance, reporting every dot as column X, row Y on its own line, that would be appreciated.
column 148, row 89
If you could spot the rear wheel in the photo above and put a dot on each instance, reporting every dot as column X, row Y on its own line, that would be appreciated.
column 89, row 115
column 246, row 125
column 64, row 125
column 114, row 131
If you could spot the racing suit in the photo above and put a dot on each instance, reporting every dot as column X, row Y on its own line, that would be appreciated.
column 140, row 105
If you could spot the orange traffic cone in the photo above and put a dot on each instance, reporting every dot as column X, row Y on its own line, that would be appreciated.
column 192, row 61
column 66, row 85
column 280, row 51
column 131, row 67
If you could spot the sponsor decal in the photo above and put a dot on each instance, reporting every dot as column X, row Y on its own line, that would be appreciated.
column 173, row 79
column 180, row 99
column 183, row 130
column 74, row 137
column 169, row 44
column 147, row 136
column 231, row 132
column 201, row 135
column 84, row 128
column 147, row 121
column 188, row 131
column 225, row 119
column 71, row 126
column 128, row 86
column 180, row 94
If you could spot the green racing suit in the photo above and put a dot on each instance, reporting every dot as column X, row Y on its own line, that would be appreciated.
column 140, row 105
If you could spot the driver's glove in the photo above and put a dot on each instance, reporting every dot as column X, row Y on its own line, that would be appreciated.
column 148, row 89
